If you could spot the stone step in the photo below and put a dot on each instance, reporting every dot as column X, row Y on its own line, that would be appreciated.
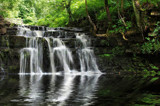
column 12, row 41
column 60, row 34
column 54, row 32
column 11, row 32
column 71, row 29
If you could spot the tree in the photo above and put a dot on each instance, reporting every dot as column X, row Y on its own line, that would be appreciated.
column 67, row 4
column 122, row 7
column 90, row 20
column 122, row 18
column 137, row 12
column 121, row 14
column 107, row 10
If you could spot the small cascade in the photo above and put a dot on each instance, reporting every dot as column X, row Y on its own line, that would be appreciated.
column 32, row 55
column 63, row 54
column 58, row 51
column 52, row 64
column 86, row 55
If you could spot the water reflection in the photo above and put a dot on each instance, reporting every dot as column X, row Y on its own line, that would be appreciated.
column 88, row 85
column 63, row 92
column 57, row 89
column 32, row 90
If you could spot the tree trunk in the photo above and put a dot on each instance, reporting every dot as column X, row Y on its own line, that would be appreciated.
column 137, row 13
column 69, row 10
column 121, row 16
column 137, row 10
column 90, row 20
column 107, row 10
column 122, row 7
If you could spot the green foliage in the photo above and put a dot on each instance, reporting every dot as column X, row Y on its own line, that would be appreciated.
column 53, row 13
column 119, row 27
column 155, row 2
column 154, row 79
column 153, row 44
column 107, row 55
column 150, row 99
column 154, row 67
column 118, row 50
column 146, row 47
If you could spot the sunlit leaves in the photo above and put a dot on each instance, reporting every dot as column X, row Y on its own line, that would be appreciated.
column 38, row 11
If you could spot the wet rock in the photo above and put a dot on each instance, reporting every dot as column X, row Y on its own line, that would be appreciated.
column 10, row 59
column 71, row 29
column 12, row 41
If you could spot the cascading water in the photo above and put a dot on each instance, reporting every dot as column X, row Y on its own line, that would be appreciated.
column 60, row 56
column 86, row 55
column 63, row 54
column 32, row 55
column 58, row 51
column 52, row 64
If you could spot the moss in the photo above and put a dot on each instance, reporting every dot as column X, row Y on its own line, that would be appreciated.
column 17, row 41
column 104, row 43
column 13, row 67
column 12, row 41
column 4, row 42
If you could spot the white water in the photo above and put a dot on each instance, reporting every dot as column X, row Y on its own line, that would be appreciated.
column 61, row 58
column 63, row 54
column 52, row 64
column 32, row 55
column 58, row 51
column 86, row 55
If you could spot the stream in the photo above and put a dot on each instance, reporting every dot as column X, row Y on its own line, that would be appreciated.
column 79, row 90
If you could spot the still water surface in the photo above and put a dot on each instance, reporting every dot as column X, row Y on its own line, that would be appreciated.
column 78, row 90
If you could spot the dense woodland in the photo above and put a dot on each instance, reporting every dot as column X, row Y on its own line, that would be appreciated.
column 55, row 13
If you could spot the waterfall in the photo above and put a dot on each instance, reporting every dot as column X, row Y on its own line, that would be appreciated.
column 58, row 51
column 52, row 64
column 32, row 55
column 60, row 56
column 63, row 54
column 86, row 55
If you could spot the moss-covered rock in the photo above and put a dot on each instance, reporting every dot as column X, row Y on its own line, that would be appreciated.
column 10, row 59
column 12, row 41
